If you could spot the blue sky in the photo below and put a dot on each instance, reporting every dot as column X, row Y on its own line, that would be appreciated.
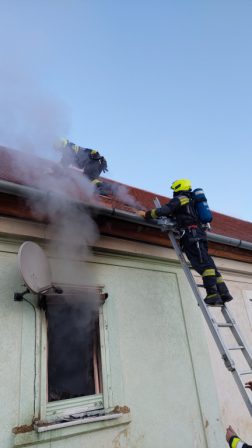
column 161, row 88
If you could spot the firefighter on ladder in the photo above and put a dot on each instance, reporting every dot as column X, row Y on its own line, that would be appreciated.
column 87, row 159
column 193, row 240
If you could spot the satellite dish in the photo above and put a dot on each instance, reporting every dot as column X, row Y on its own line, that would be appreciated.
column 34, row 267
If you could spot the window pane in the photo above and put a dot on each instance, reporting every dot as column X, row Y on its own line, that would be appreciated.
column 73, row 339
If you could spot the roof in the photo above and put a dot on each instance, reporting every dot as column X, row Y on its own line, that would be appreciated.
column 29, row 170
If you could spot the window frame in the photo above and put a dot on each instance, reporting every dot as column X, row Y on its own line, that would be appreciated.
column 52, row 410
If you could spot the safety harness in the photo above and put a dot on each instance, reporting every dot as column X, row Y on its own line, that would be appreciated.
column 192, row 214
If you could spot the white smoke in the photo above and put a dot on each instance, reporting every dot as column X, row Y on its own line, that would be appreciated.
column 123, row 195
column 31, row 118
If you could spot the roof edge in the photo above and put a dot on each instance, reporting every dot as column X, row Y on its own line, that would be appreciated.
column 30, row 192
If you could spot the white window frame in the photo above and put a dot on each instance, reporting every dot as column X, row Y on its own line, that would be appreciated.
column 55, row 409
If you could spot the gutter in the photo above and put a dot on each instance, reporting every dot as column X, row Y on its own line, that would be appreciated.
column 95, row 209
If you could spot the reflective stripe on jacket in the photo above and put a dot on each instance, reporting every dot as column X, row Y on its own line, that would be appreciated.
column 236, row 442
column 181, row 207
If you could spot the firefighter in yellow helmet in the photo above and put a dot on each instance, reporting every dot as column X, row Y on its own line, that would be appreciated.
column 183, row 210
column 87, row 159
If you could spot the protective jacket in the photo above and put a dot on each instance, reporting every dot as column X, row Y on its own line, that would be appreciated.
column 181, row 207
column 194, row 242
column 82, row 157
column 236, row 442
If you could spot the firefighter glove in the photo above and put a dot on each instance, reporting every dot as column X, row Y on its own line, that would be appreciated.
column 104, row 165
column 141, row 213
column 49, row 171
column 57, row 169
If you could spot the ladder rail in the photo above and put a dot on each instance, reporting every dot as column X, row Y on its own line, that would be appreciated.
column 211, row 322
column 238, row 335
column 168, row 226
column 214, row 329
column 244, row 392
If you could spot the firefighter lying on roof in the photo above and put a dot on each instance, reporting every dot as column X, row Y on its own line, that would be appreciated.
column 193, row 240
column 87, row 159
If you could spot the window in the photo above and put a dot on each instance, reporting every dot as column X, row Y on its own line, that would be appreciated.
column 74, row 352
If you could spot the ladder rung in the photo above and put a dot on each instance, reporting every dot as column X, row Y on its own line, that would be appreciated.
column 237, row 347
column 225, row 325
column 214, row 326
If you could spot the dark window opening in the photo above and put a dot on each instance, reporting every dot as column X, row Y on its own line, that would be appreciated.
column 74, row 355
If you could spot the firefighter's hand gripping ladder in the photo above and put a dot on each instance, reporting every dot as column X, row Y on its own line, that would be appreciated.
column 167, row 226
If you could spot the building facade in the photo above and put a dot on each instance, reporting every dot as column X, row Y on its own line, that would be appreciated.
column 159, row 375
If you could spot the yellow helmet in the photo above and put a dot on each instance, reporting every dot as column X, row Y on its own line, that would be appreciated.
column 60, row 143
column 181, row 185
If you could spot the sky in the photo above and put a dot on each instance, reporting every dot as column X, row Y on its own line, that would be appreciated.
column 161, row 88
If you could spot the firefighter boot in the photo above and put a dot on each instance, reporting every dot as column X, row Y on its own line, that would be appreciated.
column 213, row 298
column 101, row 189
column 223, row 290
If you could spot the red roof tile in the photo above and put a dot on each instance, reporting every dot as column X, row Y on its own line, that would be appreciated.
column 25, row 169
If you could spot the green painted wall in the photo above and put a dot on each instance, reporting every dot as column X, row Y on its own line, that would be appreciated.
column 160, row 365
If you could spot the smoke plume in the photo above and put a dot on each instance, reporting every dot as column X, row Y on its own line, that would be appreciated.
column 31, row 118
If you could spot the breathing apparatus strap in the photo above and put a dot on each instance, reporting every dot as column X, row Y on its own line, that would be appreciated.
column 202, row 199
column 196, row 240
column 193, row 210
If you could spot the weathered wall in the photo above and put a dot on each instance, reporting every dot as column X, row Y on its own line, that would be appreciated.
column 160, row 364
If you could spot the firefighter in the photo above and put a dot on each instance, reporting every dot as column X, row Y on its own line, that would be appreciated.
column 193, row 240
column 87, row 159
column 234, row 440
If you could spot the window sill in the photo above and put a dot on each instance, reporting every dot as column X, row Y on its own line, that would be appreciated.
column 65, row 430
column 76, row 422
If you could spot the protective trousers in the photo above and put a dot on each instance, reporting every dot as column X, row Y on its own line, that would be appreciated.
column 207, row 268
column 93, row 169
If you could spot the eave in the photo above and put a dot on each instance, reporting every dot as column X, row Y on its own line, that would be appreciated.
column 14, row 202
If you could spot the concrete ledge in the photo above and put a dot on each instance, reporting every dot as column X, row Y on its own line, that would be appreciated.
column 35, row 438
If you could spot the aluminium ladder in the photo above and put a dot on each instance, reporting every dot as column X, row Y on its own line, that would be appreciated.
column 168, row 226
